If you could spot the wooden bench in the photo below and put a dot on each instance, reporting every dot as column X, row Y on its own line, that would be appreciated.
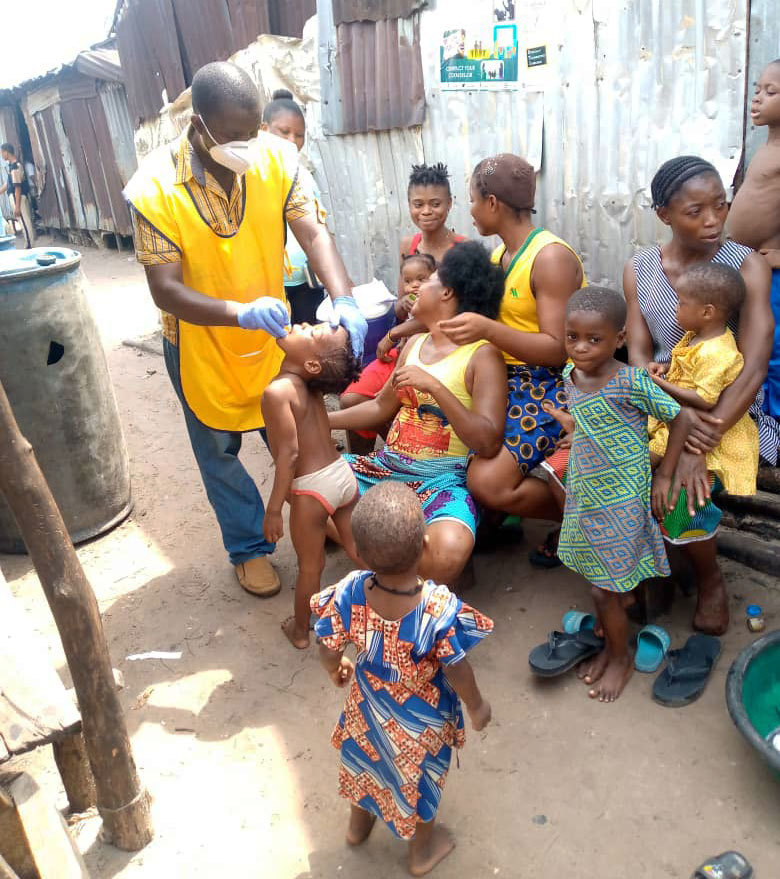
column 35, row 710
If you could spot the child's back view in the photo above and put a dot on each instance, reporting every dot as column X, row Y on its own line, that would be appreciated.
column 754, row 218
column 309, row 472
column 403, row 716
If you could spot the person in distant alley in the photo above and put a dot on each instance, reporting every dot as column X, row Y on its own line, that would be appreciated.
column 18, row 190
column 209, row 213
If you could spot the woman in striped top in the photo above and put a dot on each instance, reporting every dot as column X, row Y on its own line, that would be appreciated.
column 689, row 197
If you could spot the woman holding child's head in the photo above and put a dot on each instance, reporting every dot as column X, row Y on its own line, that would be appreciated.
column 444, row 399
column 540, row 273
column 689, row 197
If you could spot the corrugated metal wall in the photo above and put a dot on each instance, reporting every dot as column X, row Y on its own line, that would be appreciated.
column 77, row 154
column 764, row 46
column 163, row 42
column 629, row 85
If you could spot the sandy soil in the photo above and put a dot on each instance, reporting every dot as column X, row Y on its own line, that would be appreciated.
column 233, row 738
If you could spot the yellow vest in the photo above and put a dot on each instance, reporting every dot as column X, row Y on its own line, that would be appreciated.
column 224, row 370
column 420, row 429
column 518, row 306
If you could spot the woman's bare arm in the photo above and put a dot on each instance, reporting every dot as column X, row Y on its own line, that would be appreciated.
column 556, row 274
column 638, row 338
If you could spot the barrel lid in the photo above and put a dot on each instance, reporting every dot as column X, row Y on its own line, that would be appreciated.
column 753, row 610
column 36, row 261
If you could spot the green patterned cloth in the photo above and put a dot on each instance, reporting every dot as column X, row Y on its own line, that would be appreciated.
column 609, row 534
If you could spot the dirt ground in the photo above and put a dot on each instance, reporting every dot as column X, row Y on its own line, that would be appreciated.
column 233, row 738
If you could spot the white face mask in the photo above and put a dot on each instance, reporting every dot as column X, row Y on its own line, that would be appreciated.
column 234, row 155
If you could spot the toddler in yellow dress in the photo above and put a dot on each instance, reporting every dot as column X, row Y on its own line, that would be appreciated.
column 703, row 364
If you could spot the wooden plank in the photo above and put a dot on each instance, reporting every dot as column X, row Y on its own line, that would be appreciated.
column 44, row 837
column 5, row 870
column 35, row 708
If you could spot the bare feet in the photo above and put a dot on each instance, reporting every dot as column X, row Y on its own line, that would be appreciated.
column 297, row 637
column 592, row 669
column 712, row 611
column 361, row 823
column 424, row 856
column 614, row 679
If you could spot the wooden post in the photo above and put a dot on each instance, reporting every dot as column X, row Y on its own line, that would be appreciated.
column 121, row 801
column 72, row 760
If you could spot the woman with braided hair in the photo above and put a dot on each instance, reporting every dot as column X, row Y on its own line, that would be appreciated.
column 689, row 197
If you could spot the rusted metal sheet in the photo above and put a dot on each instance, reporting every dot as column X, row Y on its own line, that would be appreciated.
column 149, row 48
column 374, row 10
column 55, row 177
column 71, row 86
column 75, row 121
column 374, row 78
column 105, row 166
column 114, row 100
column 288, row 17
column 9, row 128
column 100, row 64
column 99, row 186
column 162, row 43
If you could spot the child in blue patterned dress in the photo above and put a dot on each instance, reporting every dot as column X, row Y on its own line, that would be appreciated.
column 609, row 534
column 403, row 715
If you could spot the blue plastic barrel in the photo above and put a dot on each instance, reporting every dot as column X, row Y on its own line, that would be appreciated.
column 7, row 242
column 54, row 371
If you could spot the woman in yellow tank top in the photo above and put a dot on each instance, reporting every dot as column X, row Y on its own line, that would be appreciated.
column 444, row 400
column 540, row 274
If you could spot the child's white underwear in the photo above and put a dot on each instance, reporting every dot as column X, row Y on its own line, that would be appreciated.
column 334, row 486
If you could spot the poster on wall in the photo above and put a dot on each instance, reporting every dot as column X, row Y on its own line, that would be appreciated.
column 481, row 58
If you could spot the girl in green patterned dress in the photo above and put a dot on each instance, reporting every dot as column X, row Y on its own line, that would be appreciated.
column 609, row 532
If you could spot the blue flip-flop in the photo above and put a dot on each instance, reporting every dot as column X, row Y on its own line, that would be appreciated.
column 576, row 621
column 652, row 645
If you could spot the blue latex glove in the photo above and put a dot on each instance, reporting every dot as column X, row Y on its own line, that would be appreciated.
column 347, row 314
column 265, row 313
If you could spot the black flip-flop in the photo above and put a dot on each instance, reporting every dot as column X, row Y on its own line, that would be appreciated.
column 687, row 671
column 563, row 651
column 546, row 556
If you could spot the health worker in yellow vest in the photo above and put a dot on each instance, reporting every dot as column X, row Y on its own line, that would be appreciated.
column 540, row 274
column 210, row 213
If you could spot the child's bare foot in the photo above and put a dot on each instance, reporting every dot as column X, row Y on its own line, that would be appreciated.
column 297, row 637
column 361, row 823
column 592, row 670
column 614, row 679
column 712, row 611
column 425, row 855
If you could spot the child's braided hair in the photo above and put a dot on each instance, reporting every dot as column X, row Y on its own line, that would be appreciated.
column 671, row 176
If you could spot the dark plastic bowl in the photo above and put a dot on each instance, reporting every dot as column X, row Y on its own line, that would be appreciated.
column 753, row 694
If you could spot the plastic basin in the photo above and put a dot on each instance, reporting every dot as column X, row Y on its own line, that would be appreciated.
column 753, row 694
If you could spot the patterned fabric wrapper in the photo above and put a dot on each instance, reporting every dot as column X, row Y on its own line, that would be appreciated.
column 679, row 527
column 530, row 433
column 440, row 484
column 402, row 718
